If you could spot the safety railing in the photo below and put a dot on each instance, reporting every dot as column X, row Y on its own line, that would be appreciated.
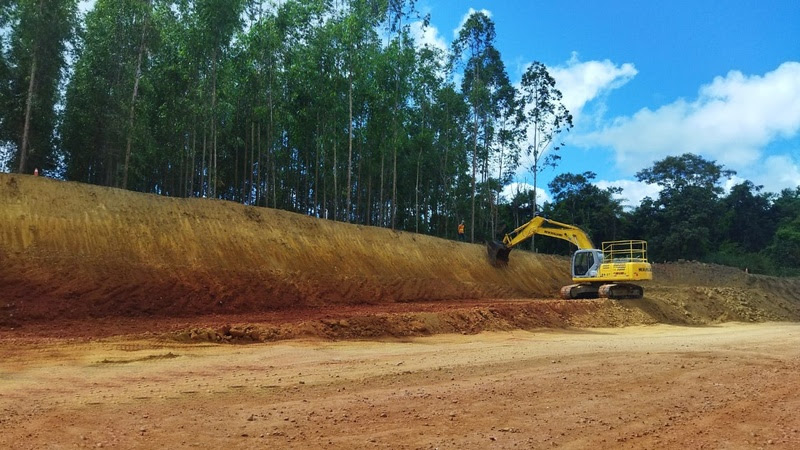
column 624, row 251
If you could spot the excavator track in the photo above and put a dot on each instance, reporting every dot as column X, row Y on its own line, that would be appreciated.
column 612, row 290
column 621, row 291
column 579, row 291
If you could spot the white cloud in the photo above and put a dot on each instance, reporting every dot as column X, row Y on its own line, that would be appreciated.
column 779, row 172
column 509, row 191
column 729, row 183
column 85, row 6
column 429, row 36
column 582, row 82
column 471, row 11
column 633, row 192
column 731, row 121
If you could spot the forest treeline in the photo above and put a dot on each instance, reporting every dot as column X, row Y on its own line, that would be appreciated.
column 331, row 108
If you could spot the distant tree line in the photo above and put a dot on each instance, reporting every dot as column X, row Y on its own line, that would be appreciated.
column 329, row 108
column 691, row 219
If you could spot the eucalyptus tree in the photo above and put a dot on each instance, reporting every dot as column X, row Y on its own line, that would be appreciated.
column 100, row 117
column 6, row 8
column 509, row 137
column 257, row 60
column 425, row 81
column 546, row 118
column 383, row 120
column 40, row 31
column 357, row 42
column 293, row 103
column 484, row 74
column 172, row 113
column 451, row 124
column 401, row 55
column 213, row 23
column 315, row 115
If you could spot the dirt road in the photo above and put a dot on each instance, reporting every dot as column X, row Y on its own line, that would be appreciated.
column 726, row 386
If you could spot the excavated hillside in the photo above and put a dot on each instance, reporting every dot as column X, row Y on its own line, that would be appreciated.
column 206, row 269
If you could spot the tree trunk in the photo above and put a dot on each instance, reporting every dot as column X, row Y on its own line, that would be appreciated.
column 358, row 183
column 369, row 197
column 131, row 116
column 474, row 175
column 499, row 181
column 393, row 210
column 203, row 183
column 445, row 176
column 259, row 168
column 23, row 151
column 270, row 157
column 416, row 192
column 192, row 165
column 335, row 182
column 475, row 156
column 381, row 212
column 349, row 150
column 213, row 156
column 317, row 168
column 253, row 164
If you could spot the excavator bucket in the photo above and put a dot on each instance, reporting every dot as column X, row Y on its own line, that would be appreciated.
column 498, row 253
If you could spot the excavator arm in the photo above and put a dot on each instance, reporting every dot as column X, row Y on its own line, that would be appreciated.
column 498, row 251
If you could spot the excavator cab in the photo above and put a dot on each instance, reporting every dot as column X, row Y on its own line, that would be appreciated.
column 586, row 263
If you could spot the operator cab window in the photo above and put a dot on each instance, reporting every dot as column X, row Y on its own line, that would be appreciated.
column 583, row 262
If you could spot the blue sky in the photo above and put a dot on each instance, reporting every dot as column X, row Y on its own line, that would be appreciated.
column 646, row 80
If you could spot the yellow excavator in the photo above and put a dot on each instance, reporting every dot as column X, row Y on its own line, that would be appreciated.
column 609, row 272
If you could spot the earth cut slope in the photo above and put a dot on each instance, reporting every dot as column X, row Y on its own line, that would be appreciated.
column 76, row 252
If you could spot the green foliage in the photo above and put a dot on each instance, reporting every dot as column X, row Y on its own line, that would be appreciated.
column 683, row 222
column 747, row 221
column 96, row 119
column 785, row 246
column 39, row 34
column 675, row 173
column 691, row 220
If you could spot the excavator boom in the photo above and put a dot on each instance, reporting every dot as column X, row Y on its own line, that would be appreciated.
column 498, row 251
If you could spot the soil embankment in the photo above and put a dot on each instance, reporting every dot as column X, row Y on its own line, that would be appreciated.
column 209, row 269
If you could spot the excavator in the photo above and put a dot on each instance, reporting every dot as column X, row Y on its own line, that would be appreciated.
column 608, row 272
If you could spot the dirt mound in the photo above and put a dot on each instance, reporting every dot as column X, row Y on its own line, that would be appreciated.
column 72, row 252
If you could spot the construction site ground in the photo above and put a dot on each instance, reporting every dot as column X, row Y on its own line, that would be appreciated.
column 137, row 321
